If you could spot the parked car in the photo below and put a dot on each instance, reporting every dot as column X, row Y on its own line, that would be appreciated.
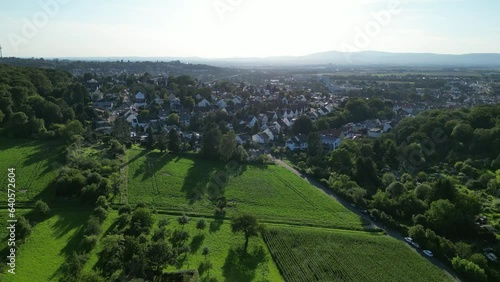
column 408, row 240
column 415, row 245
column 428, row 253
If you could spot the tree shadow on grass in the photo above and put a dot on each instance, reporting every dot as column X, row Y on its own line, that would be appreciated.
column 66, row 223
column 217, row 222
column 196, row 242
column 154, row 162
column 241, row 266
column 198, row 177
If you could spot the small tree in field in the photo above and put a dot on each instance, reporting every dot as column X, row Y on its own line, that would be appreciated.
column 183, row 220
column 248, row 225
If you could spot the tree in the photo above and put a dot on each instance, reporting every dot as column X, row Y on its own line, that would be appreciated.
column 211, row 141
column 174, row 141
column 469, row 270
column 314, row 145
column 247, row 224
column 303, row 125
column 388, row 178
column 42, row 208
column 183, row 220
column 444, row 189
column 201, row 224
column 357, row 110
column 396, row 189
column 121, row 130
column 442, row 216
column 141, row 221
column 228, row 146
column 74, row 127
column 162, row 142
column 159, row 255
column 423, row 192
column 173, row 119
column 23, row 228
column 150, row 140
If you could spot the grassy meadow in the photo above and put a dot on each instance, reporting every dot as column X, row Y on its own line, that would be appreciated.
column 272, row 193
column 35, row 162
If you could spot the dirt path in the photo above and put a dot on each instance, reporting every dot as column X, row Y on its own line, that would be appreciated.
column 372, row 224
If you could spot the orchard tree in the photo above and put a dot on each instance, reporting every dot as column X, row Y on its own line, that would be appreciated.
column 248, row 225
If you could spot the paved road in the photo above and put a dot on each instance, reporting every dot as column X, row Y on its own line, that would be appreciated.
column 346, row 204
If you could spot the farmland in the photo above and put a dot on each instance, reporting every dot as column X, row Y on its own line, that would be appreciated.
column 309, row 254
column 271, row 193
column 298, row 217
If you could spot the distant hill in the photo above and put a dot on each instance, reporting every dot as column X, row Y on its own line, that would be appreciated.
column 366, row 58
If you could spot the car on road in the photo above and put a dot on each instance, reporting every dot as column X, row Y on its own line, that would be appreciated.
column 415, row 245
column 428, row 253
column 408, row 240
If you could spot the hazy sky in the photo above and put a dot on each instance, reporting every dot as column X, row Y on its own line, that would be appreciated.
column 248, row 28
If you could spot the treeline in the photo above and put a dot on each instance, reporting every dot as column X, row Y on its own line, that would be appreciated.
column 431, row 177
column 42, row 103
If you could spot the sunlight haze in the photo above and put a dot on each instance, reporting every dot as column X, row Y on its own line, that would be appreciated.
column 244, row 28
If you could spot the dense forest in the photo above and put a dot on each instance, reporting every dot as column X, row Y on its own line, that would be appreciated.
column 435, row 177
column 42, row 103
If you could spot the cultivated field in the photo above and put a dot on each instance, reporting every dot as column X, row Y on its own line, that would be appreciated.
column 271, row 193
column 311, row 254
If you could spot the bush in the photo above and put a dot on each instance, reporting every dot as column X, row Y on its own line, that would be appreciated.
column 102, row 202
column 469, row 270
column 23, row 228
column 124, row 209
column 100, row 213
column 41, row 208
column 93, row 226
column 88, row 242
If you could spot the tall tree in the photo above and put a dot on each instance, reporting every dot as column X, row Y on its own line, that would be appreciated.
column 211, row 141
column 248, row 225
column 314, row 145
column 174, row 141
column 303, row 125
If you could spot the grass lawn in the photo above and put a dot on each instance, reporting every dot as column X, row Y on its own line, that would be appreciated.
column 312, row 254
column 271, row 193
column 46, row 249
column 35, row 163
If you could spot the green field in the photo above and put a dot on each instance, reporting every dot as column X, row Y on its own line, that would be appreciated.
column 297, row 216
column 310, row 254
column 271, row 193
column 35, row 164
column 46, row 249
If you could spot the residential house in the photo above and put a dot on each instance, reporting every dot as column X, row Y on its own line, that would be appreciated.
column 243, row 138
column 261, row 138
column 204, row 103
column 298, row 142
column 105, row 105
column 375, row 132
column 185, row 119
column 331, row 139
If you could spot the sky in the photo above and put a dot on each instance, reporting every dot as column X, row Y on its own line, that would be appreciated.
column 245, row 28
